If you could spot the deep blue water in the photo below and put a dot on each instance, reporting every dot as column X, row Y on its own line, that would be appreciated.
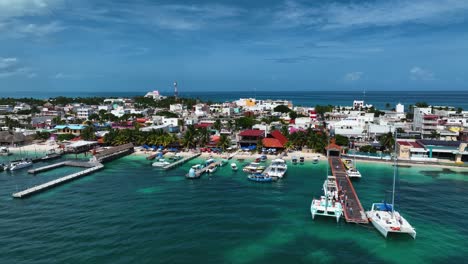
column 305, row 98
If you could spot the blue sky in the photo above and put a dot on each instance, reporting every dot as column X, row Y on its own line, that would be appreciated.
column 98, row 45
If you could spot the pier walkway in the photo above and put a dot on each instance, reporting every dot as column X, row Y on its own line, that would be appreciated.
column 353, row 211
column 50, row 184
column 64, row 163
column 181, row 161
column 205, row 169
column 93, row 165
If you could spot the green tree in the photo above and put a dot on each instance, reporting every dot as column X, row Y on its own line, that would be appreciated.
column 293, row 115
column 342, row 140
column 434, row 135
column 245, row 122
column 387, row 141
column 422, row 104
column 367, row 148
column 282, row 109
column 217, row 124
column 88, row 133
column 42, row 135
column 224, row 142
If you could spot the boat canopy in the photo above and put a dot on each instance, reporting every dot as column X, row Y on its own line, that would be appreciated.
column 383, row 207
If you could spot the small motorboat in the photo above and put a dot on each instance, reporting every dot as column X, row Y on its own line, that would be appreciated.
column 301, row 160
column 192, row 174
column 234, row 166
column 160, row 163
column 259, row 177
column 4, row 151
column 315, row 160
column 294, row 160
column 212, row 169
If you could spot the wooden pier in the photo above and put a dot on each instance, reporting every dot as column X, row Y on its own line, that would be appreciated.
column 353, row 211
column 181, row 161
column 59, row 181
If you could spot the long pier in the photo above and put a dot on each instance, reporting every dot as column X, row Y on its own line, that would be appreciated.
column 59, row 181
column 181, row 161
column 353, row 211
column 93, row 165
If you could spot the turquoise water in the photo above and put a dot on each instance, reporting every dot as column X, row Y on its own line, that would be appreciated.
column 130, row 212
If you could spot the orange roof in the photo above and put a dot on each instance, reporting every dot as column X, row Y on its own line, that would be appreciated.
column 333, row 145
column 272, row 143
column 252, row 133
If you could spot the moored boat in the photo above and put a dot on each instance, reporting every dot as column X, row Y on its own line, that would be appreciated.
column 327, row 205
column 253, row 167
column 16, row 165
column 234, row 166
column 160, row 163
column 259, row 177
column 4, row 151
column 277, row 169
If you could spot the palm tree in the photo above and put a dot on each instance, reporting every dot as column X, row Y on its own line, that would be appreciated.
column 387, row 141
column 224, row 142
column 217, row 125
column 189, row 137
column 203, row 136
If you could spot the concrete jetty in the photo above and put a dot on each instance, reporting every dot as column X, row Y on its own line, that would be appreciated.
column 59, row 181
column 181, row 161
column 93, row 165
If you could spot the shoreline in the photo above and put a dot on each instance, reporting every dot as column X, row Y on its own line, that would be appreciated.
column 308, row 156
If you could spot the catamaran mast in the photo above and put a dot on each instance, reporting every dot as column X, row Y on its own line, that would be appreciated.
column 394, row 173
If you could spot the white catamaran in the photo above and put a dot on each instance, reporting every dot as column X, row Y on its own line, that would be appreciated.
column 384, row 217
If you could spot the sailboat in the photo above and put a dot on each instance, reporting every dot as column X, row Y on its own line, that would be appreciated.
column 385, row 218
column 328, row 204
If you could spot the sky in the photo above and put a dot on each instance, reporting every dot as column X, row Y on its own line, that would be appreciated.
column 143, row 45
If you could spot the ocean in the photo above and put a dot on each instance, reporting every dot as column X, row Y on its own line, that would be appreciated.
column 303, row 98
column 130, row 212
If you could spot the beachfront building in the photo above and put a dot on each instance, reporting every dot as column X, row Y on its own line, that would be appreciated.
column 433, row 150
column 250, row 137
column 274, row 140
column 70, row 129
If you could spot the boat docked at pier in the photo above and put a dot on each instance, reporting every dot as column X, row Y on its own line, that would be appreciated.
column 254, row 167
column 19, row 164
column 160, row 163
column 194, row 172
column 327, row 205
column 383, row 215
column 277, row 169
column 50, row 155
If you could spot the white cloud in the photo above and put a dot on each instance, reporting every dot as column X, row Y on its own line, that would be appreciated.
column 12, row 66
column 61, row 75
column 375, row 13
column 420, row 74
column 19, row 8
column 353, row 76
column 40, row 30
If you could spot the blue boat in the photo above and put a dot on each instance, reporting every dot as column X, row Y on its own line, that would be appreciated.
column 258, row 177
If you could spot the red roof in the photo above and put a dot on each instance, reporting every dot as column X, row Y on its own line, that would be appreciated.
column 277, row 134
column 333, row 145
column 252, row 133
column 272, row 143
column 203, row 125
column 410, row 143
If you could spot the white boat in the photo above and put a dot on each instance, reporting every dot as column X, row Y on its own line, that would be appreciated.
column 16, row 165
column 193, row 172
column 253, row 167
column 384, row 217
column 4, row 151
column 212, row 169
column 315, row 160
column 277, row 169
column 328, row 204
column 353, row 173
column 160, row 163
column 234, row 166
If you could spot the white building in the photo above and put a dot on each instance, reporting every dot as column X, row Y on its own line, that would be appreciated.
column 84, row 112
column 176, row 108
column 170, row 121
column 418, row 118
column 155, row 95
column 201, row 110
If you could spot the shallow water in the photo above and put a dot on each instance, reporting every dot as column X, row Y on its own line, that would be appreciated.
column 130, row 212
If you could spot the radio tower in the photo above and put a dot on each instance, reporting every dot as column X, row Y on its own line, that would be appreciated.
column 176, row 92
